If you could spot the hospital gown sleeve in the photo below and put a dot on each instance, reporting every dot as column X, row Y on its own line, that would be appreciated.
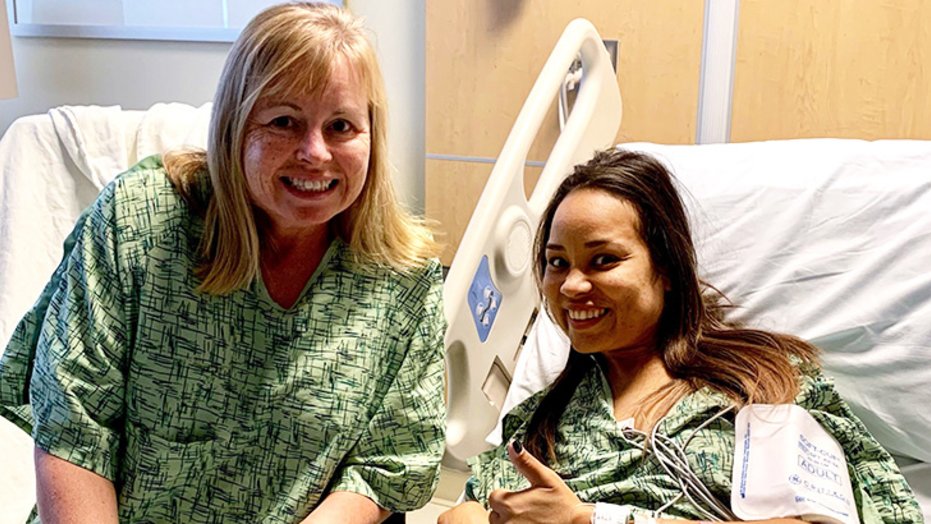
column 880, row 490
column 76, row 387
column 396, row 462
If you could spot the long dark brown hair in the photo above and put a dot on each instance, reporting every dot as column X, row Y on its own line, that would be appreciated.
column 697, row 346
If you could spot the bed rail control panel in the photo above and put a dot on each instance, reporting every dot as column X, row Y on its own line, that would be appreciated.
column 489, row 292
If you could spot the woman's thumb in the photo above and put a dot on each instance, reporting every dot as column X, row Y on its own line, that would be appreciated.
column 532, row 469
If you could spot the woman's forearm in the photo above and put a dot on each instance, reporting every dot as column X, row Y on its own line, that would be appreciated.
column 583, row 515
column 347, row 508
column 69, row 494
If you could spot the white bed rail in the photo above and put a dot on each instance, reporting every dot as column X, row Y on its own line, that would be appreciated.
column 489, row 291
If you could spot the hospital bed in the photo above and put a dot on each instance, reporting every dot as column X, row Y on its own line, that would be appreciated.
column 827, row 239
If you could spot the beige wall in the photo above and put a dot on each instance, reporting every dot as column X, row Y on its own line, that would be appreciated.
column 832, row 68
column 484, row 56
column 801, row 68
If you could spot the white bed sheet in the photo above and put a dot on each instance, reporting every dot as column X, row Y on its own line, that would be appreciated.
column 829, row 240
column 919, row 478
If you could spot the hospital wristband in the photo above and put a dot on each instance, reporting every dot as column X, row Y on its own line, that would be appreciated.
column 612, row 514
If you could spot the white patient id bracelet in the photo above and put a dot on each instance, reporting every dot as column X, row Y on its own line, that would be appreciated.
column 611, row 514
column 605, row 513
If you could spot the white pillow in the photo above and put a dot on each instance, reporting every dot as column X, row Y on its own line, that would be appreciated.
column 826, row 239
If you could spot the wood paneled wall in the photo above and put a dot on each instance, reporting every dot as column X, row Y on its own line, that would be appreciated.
column 832, row 68
column 803, row 68
column 483, row 57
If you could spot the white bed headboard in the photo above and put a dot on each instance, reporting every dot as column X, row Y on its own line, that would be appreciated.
column 495, row 258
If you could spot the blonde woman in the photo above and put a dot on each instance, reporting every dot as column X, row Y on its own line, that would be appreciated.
column 253, row 333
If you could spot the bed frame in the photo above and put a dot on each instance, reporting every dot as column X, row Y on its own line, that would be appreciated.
column 495, row 255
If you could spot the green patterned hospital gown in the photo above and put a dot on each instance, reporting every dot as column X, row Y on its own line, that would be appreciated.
column 206, row 409
column 600, row 465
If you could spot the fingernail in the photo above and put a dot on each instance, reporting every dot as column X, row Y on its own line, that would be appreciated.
column 518, row 447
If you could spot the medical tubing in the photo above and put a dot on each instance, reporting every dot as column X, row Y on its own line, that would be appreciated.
column 667, row 505
column 672, row 457
column 683, row 476
column 700, row 489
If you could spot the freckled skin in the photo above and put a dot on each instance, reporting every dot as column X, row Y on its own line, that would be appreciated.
column 598, row 263
column 323, row 138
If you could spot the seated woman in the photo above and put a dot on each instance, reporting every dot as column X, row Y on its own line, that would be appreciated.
column 251, row 333
column 654, row 368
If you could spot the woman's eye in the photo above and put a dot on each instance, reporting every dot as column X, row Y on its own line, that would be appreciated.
column 604, row 260
column 282, row 122
column 341, row 126
column 556, row 263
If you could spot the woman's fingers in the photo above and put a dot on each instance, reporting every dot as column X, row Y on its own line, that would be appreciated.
column 532, row 469
column 548, row 499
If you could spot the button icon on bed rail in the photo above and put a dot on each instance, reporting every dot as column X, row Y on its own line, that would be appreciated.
column 484, row 300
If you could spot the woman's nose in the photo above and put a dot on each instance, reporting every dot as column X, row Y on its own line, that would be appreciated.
column 576, row 283
column 313, row 147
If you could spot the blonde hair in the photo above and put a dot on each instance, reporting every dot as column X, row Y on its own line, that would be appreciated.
column 286, row 49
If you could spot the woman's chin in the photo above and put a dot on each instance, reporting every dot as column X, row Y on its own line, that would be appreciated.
column 586, row 345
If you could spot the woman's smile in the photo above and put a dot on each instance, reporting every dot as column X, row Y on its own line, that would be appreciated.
column 309, row 187
column 583, row 317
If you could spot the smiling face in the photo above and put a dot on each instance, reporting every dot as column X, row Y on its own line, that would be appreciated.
column 599, row 282
column 306, row 158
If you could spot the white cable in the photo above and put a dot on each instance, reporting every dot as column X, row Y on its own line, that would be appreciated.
column 672, row 457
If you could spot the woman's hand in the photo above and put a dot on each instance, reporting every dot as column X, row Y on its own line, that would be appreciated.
column 548, row 499
column 466, row 513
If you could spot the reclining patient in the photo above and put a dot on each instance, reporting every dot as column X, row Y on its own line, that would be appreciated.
column 641, row 424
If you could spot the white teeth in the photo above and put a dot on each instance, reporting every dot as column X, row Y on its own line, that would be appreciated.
column 310, row 185
column 586, row 314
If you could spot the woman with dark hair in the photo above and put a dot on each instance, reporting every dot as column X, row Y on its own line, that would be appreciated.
column 654, row 374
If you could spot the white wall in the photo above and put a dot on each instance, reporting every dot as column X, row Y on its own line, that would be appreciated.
column 131, row 73
column 400, row 35
column 136, row 74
